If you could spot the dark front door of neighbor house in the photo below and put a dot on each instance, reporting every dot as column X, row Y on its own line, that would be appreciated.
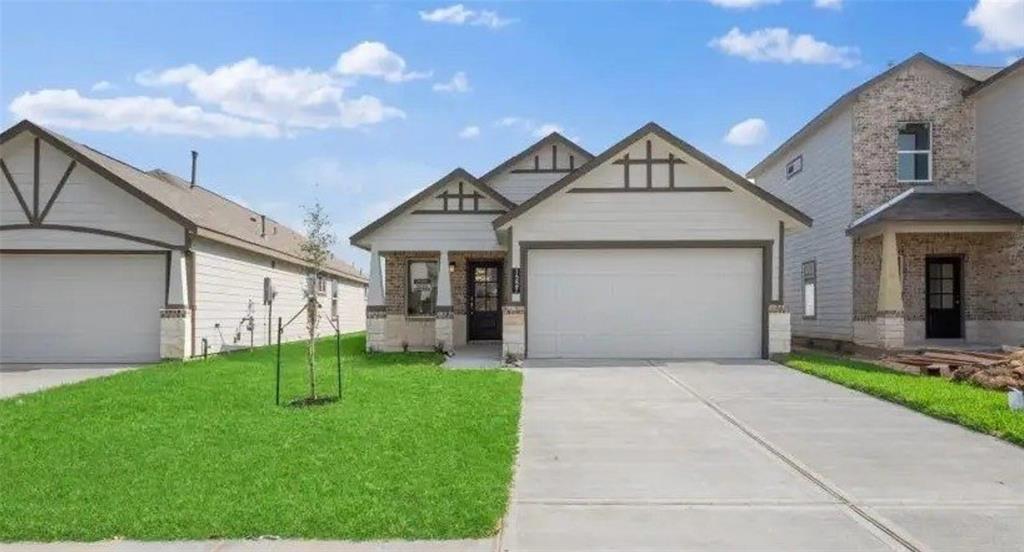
column 483, row 313
column 943, row 318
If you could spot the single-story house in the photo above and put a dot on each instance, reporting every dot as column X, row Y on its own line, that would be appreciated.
column 651, row 249
column 103, row 262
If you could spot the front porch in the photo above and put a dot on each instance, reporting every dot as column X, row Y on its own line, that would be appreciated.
column 938, row 263
column 434, row 300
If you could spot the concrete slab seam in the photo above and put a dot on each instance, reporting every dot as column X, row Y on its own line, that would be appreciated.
column 794, row 464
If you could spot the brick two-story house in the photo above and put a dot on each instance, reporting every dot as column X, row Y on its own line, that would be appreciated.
column 915, row 181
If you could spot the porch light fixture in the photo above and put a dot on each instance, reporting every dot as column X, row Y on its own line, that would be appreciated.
column 451, row 267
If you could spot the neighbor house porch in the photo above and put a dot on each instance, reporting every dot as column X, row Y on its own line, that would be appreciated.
column 434, row 300
column 939, row 268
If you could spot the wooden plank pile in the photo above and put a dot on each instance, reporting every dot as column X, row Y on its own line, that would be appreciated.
column 989, row 370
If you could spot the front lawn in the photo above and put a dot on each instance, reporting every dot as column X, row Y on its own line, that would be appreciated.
column 198, row 450
column 979, row 409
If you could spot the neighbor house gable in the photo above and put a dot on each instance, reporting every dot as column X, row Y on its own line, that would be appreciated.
column 536, row 167
column 456, row 210
column 653, row 160
column 837, row 107
column 53, row 199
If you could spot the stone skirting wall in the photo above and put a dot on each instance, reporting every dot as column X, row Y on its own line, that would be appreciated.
column 176, row 333
column 779, row 330
column 993, row 274
column 513, row 328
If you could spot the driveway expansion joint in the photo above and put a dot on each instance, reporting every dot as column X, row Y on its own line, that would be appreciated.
column 816, row 479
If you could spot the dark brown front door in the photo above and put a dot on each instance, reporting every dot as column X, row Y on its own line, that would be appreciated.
column 483, row 306
column 943, row 318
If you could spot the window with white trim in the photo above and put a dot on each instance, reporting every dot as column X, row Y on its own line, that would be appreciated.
column 810, row 280
column 914, row 152
column 795, row 167
column 334, row 299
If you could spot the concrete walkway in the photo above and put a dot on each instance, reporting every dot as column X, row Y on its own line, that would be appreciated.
column 748, row 456
column 477, row 354
column 16, row 379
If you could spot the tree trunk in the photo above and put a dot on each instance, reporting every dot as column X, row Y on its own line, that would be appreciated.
column 311, row 319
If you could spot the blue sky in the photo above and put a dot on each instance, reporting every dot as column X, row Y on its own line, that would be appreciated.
column 357, row 104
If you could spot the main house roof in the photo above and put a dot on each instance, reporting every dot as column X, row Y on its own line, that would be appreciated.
column 198, row 209
column 973, row 74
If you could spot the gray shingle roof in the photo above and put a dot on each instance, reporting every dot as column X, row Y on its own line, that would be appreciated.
column 209, row 214
column 937, row 205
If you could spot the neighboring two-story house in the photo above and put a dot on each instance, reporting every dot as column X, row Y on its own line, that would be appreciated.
column 915, row 181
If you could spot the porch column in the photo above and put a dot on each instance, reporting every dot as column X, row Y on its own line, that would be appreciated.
column 513, row 314
column 376, row 308
column 889, row 312
column 444, row 318
column 176, row 316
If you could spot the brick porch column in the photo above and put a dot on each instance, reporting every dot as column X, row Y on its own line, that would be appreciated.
column 376, row 309
column 444, row 316
column 889, row 322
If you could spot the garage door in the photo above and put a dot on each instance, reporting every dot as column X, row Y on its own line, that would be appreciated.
column 81, row 308
column 644, row 303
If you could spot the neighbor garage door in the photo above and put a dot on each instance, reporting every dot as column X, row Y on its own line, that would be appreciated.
column 644, row 303
column 81, row 308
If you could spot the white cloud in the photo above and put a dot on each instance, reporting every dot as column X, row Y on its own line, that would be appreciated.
column 102, row 86
column 547, row 128
column 750, row 132
column 459, row 84
column 524, row 124
column 829, row 4
column 1000, row 22
column 742, row 4
column 460, row 15
column 293, row 98
column 455, row 15
column 779, row 45
column 374, row 59
column 470, row 132
column 69, row 109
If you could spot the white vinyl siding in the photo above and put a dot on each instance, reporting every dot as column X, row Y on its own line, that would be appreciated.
column 823, row 190
column 86, row 200
column 520, row 186
column 81, row 308
column 644, row 303
column 1000, row 141
column 226, row 279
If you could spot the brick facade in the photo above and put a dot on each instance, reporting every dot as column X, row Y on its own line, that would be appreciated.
column 919, row 92
column 396, row 276
column 993, row 273
column 993, row 263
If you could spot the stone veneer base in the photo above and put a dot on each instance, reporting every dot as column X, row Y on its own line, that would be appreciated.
column 175, row 333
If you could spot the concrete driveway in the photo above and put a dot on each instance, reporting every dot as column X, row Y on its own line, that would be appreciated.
column 748, row 456
column 16, row 379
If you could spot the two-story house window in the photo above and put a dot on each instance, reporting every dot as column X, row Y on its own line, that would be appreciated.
column 914, row 152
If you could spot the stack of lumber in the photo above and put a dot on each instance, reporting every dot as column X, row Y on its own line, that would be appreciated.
column 989, row 370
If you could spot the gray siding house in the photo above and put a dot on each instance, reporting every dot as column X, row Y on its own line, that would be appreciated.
column 915, row 180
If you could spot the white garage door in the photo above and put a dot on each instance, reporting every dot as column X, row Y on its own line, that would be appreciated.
column 644, row 303
column 81, row 308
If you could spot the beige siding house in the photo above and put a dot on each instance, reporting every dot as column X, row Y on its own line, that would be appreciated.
column 102, row 262
column 915, row 180
column 650, row 249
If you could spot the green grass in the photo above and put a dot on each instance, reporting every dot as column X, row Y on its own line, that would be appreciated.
column 979, row 409
column 199, row 450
